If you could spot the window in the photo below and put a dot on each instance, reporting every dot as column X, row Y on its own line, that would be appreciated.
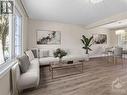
column 10, row 37
column 122, row 38
column 17, row 35
column 4, row 38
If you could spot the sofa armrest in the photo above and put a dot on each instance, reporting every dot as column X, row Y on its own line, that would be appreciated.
column 15, row 72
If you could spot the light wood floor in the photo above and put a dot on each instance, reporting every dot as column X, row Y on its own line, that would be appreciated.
column 96, row 79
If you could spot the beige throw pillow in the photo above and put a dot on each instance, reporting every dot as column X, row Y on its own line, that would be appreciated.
column 29, row 53
column 44, row 53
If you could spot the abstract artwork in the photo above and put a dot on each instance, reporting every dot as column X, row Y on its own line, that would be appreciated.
column 100, row 38
column 45, row 37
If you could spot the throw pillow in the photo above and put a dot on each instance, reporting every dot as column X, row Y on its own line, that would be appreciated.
column 24, row 63
column 34, row 51
column 29, row 53
column 51, row 53
column 44, row 53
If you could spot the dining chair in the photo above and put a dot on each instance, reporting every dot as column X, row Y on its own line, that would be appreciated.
column 124, row 53
column 118, row 51
column 107, row 53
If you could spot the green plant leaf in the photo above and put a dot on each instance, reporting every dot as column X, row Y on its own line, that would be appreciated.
column 87, row 42
column 83, row 36
column 82, row 41
column 90, row 49
column 59, row 53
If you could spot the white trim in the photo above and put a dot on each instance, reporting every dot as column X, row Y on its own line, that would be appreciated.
column 17, row 12
column 108, row 20
column 4, row 68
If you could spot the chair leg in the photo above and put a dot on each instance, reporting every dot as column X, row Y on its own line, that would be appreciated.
column 106, row 58
column 114, row 60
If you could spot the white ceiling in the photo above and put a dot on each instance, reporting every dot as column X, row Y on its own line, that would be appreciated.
column 73, row 11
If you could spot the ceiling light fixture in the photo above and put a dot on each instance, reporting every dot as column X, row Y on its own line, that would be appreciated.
column 96, row 1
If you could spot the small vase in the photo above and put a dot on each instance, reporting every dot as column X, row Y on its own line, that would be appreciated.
column 87, row 57
column 60, row 60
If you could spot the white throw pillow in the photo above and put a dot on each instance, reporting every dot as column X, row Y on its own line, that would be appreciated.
column 44, row 53
column 51, row 53
column 29, row 53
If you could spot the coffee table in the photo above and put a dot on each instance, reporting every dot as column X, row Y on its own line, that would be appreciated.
column 62, row 65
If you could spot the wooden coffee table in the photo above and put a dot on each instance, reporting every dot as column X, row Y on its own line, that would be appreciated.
column 62, row 65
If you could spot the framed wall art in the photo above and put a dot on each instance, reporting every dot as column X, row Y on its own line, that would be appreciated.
column 46, row 37
column 100, row 38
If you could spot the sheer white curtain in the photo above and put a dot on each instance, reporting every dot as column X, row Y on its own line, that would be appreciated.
column 17, row 40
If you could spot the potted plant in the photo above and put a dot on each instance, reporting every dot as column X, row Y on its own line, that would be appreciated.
column 60, row 54
column 87, row 42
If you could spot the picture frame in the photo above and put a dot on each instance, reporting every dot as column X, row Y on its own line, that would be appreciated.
column 100, row 38
column 48, row 37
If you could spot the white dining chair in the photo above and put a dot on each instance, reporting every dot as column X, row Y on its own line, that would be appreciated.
column 118, row 51
column 107, row 53
column 124, row 53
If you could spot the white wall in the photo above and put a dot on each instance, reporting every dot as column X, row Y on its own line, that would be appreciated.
column 98, row 49
column 5, row 84
column 70, row 35
column 113, row 38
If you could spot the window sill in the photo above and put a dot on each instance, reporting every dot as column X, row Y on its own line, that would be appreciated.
column 4, row 68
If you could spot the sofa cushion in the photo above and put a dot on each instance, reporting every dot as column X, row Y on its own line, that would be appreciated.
column 72, row 57
column 35, row 61
column 31, row 77
column 34, row 51
column 29, row 53
column 28, row 80
column 47, row 60
column 24, row 63
column 44, row 53
column 51, row 53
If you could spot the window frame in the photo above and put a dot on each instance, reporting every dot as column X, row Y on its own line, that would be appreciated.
column 5, row 67
column 16, row 12
column 121, row 39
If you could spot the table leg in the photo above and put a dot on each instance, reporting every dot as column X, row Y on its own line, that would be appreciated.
column 52, row 73
column 82, row 67
column 49, row 68
column 114, row 60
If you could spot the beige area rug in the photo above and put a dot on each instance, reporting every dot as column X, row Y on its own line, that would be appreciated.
column 96, row 79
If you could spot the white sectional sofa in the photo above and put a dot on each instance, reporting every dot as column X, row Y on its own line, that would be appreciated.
column 49, row 60
column 46, row 60
column 29, row 79
column 32, row 76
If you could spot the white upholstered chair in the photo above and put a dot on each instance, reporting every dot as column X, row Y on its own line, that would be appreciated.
column 117, row 53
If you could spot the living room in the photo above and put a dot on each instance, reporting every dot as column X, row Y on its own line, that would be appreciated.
column 55, row 47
